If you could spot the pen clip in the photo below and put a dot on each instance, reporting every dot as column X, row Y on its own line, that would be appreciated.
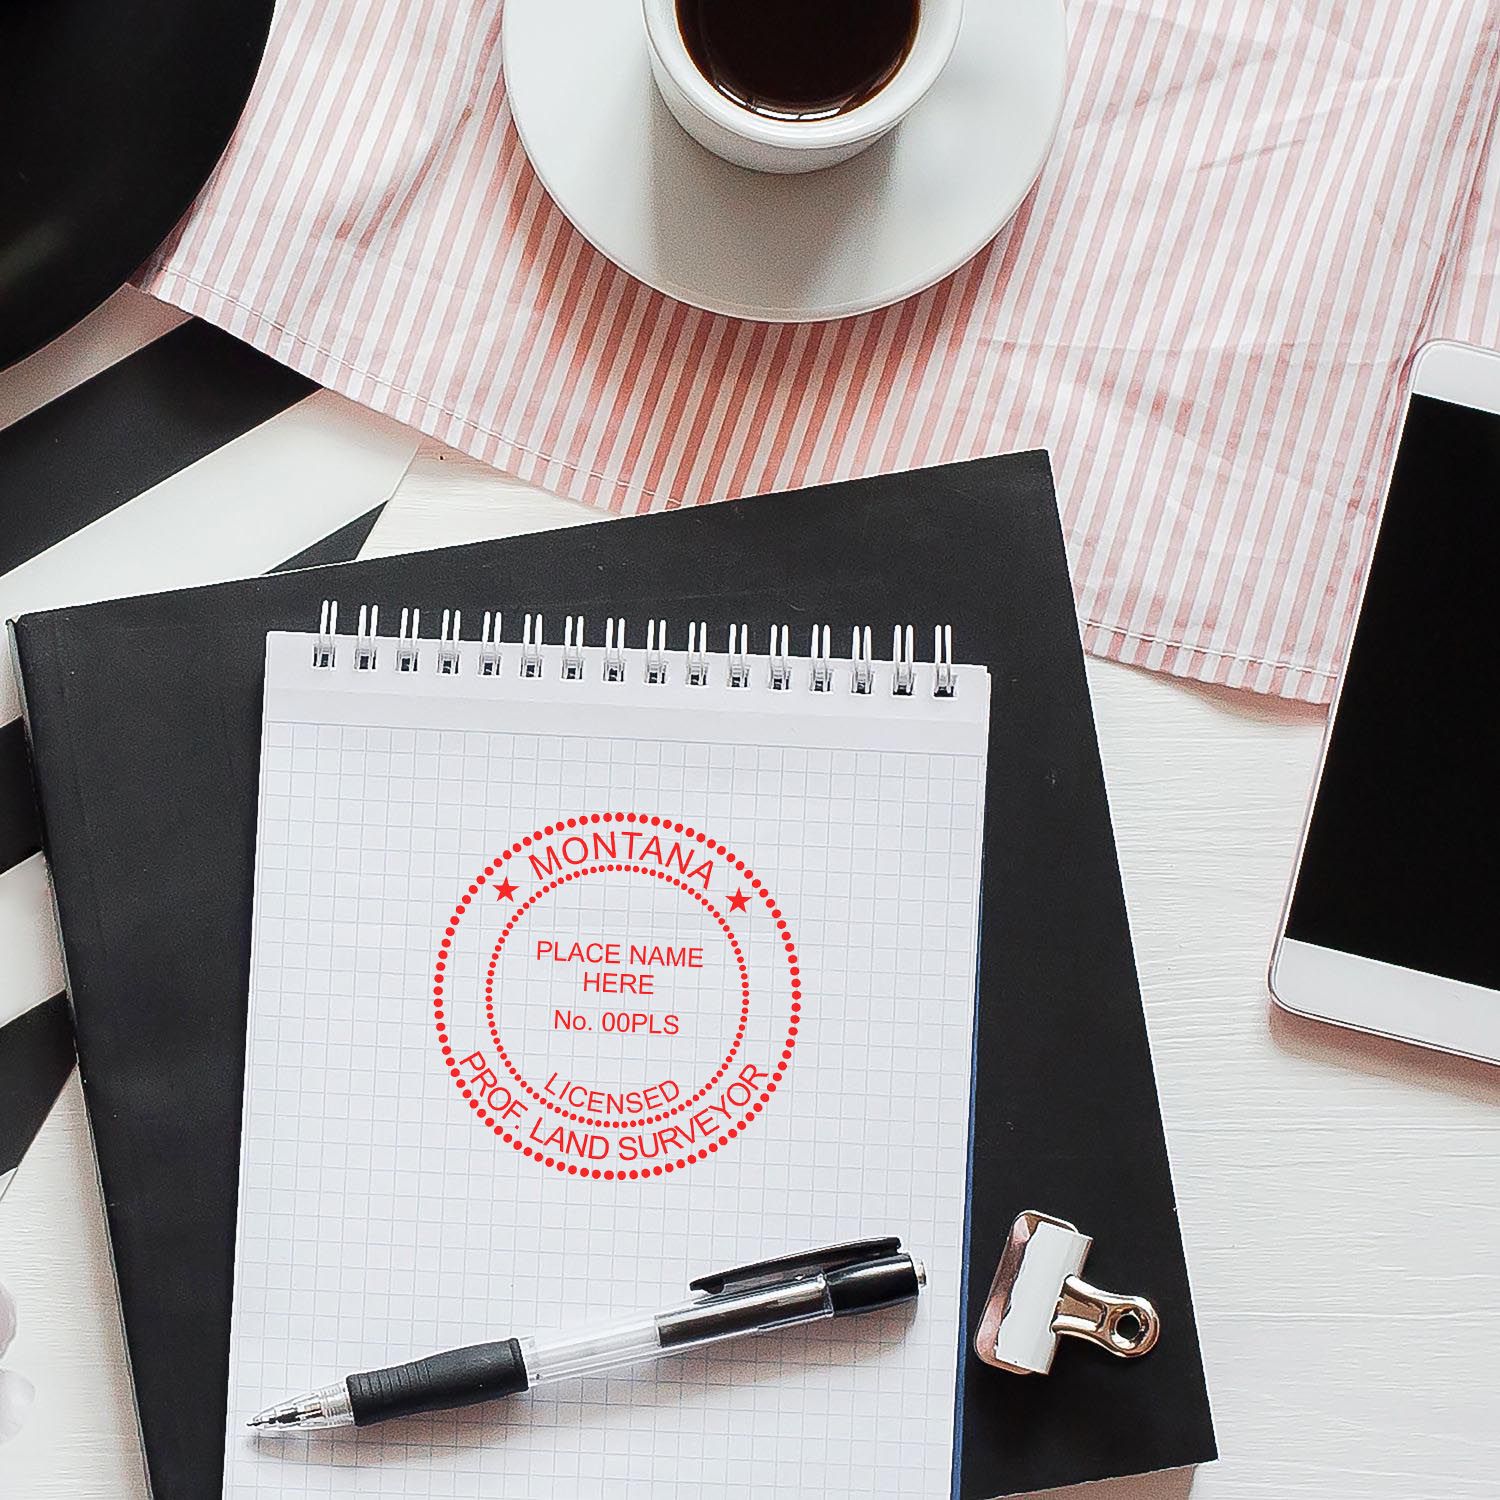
column 791, row 1267
column 1037, row 1297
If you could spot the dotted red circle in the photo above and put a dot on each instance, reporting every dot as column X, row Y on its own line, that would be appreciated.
column 445, row 1045
column 621, row 868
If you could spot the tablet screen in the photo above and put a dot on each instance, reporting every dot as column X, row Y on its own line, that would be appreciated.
column 1402, row 861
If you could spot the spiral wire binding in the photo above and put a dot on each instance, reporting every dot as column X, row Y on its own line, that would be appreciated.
column 823, row 668
column 614, row 649
column 572, row 654
column 489, row 645
column 365, row 647
column 325, row 643
column 406, row 643
column 904, row 673
column 656, row 647
column 531, row 646
column 822, row 665
column 780, row 656
column 739, row 656
column 945, row 679
column 861, row 660
column 697, row 654
column 447, row 657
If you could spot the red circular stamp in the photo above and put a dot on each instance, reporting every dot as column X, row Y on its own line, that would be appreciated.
column 617, row 995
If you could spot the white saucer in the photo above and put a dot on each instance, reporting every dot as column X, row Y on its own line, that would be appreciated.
column 797, row 249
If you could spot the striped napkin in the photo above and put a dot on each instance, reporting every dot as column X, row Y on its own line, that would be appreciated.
column 1255, row 213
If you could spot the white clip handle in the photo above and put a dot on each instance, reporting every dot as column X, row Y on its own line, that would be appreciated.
column 1038, row 1297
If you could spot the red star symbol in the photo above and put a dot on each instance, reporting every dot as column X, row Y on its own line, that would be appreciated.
column 505, row 891
column 739, row 902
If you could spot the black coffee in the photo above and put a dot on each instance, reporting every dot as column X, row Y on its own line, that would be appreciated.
column 798, row 59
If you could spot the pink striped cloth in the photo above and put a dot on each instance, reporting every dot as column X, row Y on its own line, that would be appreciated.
column 1255, row 213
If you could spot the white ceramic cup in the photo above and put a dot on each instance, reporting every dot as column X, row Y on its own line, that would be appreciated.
column 750, row 140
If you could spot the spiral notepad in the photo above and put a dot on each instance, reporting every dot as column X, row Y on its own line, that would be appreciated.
column 582, row 968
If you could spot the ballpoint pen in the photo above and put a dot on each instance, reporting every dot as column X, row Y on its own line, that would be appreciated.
column 773, row 1294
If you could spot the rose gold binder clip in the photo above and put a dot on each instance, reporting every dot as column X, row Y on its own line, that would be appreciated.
column 1037, row 1297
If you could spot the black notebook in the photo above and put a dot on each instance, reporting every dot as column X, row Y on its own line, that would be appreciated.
column 144, row 720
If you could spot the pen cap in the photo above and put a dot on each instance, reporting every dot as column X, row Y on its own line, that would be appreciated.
column 874, row 1283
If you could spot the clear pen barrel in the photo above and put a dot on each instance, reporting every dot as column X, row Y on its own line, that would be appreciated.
column 568, row 1356
column 688, row 1326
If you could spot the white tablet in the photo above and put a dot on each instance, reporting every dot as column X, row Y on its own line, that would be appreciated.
column 1392, row 924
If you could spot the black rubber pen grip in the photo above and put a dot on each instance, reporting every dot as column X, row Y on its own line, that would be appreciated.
column 457, row 1377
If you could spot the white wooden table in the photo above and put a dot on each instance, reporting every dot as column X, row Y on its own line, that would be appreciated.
column 1340, row 1198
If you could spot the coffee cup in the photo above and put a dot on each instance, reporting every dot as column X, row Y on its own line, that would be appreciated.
column 796, row 98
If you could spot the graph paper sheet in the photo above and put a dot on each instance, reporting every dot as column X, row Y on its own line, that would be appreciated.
column 565, row 992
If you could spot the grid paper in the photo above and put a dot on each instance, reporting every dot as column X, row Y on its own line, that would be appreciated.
column 382, row 1217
